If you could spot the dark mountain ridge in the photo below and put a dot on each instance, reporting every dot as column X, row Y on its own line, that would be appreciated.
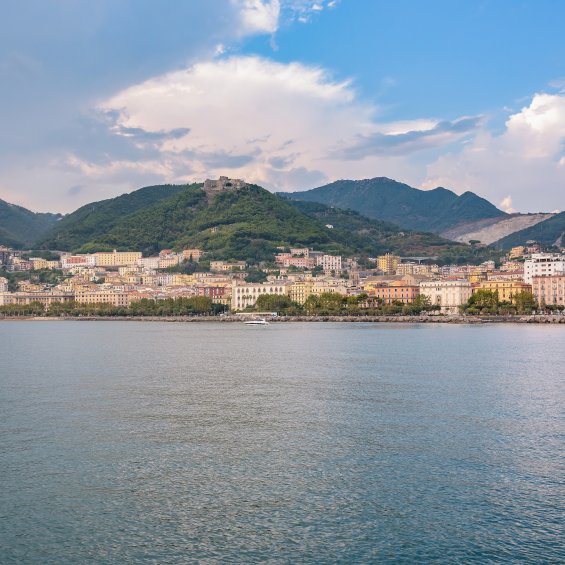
column 385, row 199
column 20, row 227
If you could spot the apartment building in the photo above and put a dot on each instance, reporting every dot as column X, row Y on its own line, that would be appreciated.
column 506, row 289
column 543, row 264
column 549, row 289
column 117, row 299
column 388, row 263
column 329, row 263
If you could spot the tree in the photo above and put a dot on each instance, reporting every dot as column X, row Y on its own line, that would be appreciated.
column 525, row 302
column 273, row 303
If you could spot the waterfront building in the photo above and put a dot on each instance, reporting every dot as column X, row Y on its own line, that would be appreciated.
column 506, row 289
column 549, row 289
column 449, row 295
column 45, row 298
column 543, row 264
column 246, row 294
column 113, row 297
column 395, row 291
column 388, row 263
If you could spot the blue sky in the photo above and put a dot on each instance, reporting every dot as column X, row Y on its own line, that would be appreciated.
column 100, row 98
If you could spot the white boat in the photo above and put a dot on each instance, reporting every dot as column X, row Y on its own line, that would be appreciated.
column 261, row 322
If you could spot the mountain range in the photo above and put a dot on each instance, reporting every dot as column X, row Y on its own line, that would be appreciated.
column 366, row 217
column 385, row 199
column 247, row 223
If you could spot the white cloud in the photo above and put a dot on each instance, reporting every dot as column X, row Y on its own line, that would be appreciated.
column 526, row 162
column 258, row 16
column 506, row 205
column 285, row 126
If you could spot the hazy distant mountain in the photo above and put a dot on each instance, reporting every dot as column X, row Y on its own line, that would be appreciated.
column 20, row 227
column 548, row 232
column 388, row 200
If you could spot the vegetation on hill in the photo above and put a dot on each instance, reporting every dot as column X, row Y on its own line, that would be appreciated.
column 549, row 232
column 20, row 227
column 374, row 237
column 388, row 200
column 97, row 218
column 249, row 223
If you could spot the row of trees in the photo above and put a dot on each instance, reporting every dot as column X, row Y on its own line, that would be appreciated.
column 334, row 304
column 487, row 302
column 192, row 306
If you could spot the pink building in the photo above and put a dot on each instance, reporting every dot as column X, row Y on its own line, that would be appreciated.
column 549, row 289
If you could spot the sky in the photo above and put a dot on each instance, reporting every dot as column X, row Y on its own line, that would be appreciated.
column 100, row 98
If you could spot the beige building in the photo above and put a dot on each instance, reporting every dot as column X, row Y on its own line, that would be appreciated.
column 226, row 266
column 3, row 284
column 549, row 289
column 244, row 295
column 44, row 298
column 39, row 263
column 449, row 295
column 114, row 298
column 117, row 258
column 388, row 263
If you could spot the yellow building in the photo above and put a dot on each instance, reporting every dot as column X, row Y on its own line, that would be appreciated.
column 477, row 276
column 40, row 263
column 507, row 290
column 117, row 258
column 388, row 263
column 182, row 280
column 517, row 252
column 299, row 291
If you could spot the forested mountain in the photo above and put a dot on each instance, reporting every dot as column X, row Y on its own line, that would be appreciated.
column 247, row 223
column 97, row 218
column 391, row 201
column 20, row 227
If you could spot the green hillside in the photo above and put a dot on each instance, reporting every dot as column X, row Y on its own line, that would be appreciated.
column 249, row 223
column 97, row 218
column 20, row 227
column 548, row 232
column 391, row 201
column 373, row 237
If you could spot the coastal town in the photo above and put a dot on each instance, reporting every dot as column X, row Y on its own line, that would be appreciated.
column 528, row 277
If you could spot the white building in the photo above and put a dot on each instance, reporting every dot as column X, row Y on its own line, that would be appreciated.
column 329, row 263
column 449, row 295
column 244, row 295
column 3, row 284
column 543, row 264
column 73, row 261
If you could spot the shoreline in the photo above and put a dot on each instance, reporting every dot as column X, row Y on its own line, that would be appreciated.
column 534, row 319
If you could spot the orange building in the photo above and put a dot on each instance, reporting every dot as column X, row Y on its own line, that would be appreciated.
column 396, row 291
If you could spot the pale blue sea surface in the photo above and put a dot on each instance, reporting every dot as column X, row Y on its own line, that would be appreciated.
column 125, row 442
